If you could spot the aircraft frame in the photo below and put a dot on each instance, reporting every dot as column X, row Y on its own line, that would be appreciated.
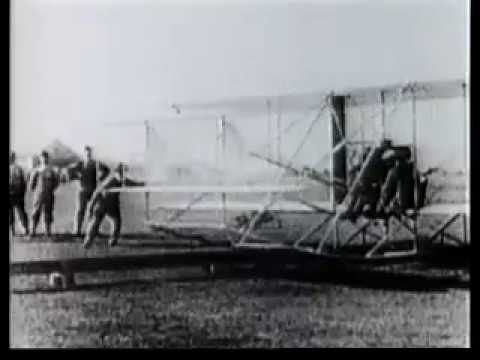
column 330, row 244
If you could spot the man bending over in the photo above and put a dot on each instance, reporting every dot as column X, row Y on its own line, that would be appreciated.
column 104, row 203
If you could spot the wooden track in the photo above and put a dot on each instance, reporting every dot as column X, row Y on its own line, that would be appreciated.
column 73, row 258
column 44, row 257
column 123, row 262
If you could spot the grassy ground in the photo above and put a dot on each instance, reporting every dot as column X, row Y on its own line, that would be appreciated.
column 184, row 308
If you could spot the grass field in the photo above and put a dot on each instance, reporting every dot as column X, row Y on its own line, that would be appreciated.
column 185, row 308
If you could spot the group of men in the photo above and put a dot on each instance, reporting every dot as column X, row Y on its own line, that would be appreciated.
column 386, row 181
column 94, row 202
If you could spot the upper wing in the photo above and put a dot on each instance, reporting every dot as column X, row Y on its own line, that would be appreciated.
column 368, row 95
column 234, row 205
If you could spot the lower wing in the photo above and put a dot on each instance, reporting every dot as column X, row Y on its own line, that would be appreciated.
column 215, row 189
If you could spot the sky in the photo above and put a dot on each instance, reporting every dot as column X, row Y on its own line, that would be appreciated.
column 79, row 66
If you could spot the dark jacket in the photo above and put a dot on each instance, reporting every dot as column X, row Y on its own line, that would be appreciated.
column 18, row 184
column 111, row 200
column 400, row 182
column 87, row 173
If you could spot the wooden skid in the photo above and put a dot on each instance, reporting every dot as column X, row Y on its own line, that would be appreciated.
column 274, row 254
column 185, row 226
column 263, row 246
column 300, row 206
column 393, row 257
column 166, row 259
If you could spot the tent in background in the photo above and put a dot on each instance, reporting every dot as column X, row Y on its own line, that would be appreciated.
column 61, row 155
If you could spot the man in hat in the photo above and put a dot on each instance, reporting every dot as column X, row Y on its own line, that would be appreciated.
column 104, row 203
column 398, row 191
column 87, row 172
column 18, row 188
column 43, row 183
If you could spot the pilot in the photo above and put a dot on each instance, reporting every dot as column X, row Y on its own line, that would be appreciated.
column 104, row 203
column 18, row 188
column 366, row 191
column 87, row 173
column 398, row 191
column 43, row 183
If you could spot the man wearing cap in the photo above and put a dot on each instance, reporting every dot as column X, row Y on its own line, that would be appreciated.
column 43, row 183
column 87, row 173
column 18, row 188
column 398, row 191
column 104, row 203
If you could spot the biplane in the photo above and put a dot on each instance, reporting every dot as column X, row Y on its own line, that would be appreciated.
column 298, row 179
column 343, row 163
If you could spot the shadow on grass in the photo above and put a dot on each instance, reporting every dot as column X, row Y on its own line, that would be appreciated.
column 357, row 278
column 298, row 278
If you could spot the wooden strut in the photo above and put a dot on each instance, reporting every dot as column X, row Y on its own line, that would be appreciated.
column 318, row 226
column 335, row 116
column 442, row 233
column 443, row 227
column 179, row 213
column 466, row 167
column 453, row 238
column 415, row 165
column 241, row 233
column 279, row 132
column 382, row 100
column 271, row 198
column 147, row 148
column 404, row 223
column 269, row 126
column 224, row 195
column 361, row 230
column 254, row 220
column 411, row 229
column 313, row 229
column 377, row 246
column 465, row 132
column 337, row 216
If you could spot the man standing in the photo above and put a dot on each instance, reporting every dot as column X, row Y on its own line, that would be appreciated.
column 43, row 183
column 104, row 203
column 33, row 163
column 18, row 188
column 87, row 172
